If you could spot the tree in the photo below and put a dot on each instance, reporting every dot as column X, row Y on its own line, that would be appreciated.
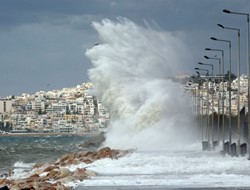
column 226, row 77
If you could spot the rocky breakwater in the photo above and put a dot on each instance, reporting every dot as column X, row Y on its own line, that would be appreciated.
column 59, row 175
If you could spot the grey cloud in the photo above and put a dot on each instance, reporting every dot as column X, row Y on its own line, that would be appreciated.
column 16, row 12
column 43, row 41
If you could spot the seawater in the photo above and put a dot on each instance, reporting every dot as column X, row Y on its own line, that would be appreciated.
column 173, row 167
column 16, row 151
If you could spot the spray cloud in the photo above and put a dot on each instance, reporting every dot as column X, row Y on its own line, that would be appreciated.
column 130, row 73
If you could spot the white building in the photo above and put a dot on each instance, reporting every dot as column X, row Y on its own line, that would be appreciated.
column 38, row 104
column 89, row 107
column 72, row 107
column 5, row 105
column 57, row 108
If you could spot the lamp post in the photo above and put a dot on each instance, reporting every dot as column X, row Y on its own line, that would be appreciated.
column 201, row 105
column 212, row 108
column 218, row 124
column 210, row 65
column 222, row 80
column 248, row 70
column 206, row 146
column 229, row 88
column 194, row 97
column 238, row 73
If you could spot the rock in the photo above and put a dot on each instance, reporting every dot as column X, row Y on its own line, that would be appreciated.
column 80, row 174
column 52, row 188
column 4, row 181
column 58, row 186
column 32, row 178
column 79, row 171
column 88, row 157
column 63, row 172
column 67, row 159
column 71, row 161
column 41, row 185
column 86, row 160
column 39, row 165
column 20, row 184
column 52, row 174
column 42, row 174
column 49, row 168
column 107, row 153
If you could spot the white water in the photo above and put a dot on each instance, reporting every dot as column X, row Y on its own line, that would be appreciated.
column 131, row 70
column 189, row 167
column 21, row 170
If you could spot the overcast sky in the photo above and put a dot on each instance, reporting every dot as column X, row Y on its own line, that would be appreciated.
column 42, row 42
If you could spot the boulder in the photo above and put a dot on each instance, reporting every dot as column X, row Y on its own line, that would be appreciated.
column 107, row 153
column 64, row 159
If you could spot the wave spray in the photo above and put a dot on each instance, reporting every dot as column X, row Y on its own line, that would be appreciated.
column 131, row 69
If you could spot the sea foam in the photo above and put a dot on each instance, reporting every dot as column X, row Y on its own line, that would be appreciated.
column 132, row 66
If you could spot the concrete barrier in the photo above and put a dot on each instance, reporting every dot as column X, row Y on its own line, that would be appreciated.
column 205, row 146
column 233, row 149
column 243, row 149
column 226, row 147
column 215, row 144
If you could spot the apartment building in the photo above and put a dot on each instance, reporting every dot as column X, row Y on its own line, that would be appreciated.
column 38, row 105
column 57, row 108
column 5, row 105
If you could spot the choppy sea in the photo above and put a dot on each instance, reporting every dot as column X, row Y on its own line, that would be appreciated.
column 16, row 151
column 185, row 167
column 174, row 167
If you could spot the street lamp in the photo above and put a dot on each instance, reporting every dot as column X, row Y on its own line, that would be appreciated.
column 200, row 104
column 206, row 144
column 238, row 68
column 248, row 70
column 229, row 86
column 203, row 70
column 218, row 124
column 221, row 74
column 193, row 93
column 212, row 66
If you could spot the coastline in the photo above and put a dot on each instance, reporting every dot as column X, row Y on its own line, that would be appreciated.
column 51, row 134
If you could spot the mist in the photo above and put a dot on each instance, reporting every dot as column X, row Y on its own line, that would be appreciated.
column 131, row 69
